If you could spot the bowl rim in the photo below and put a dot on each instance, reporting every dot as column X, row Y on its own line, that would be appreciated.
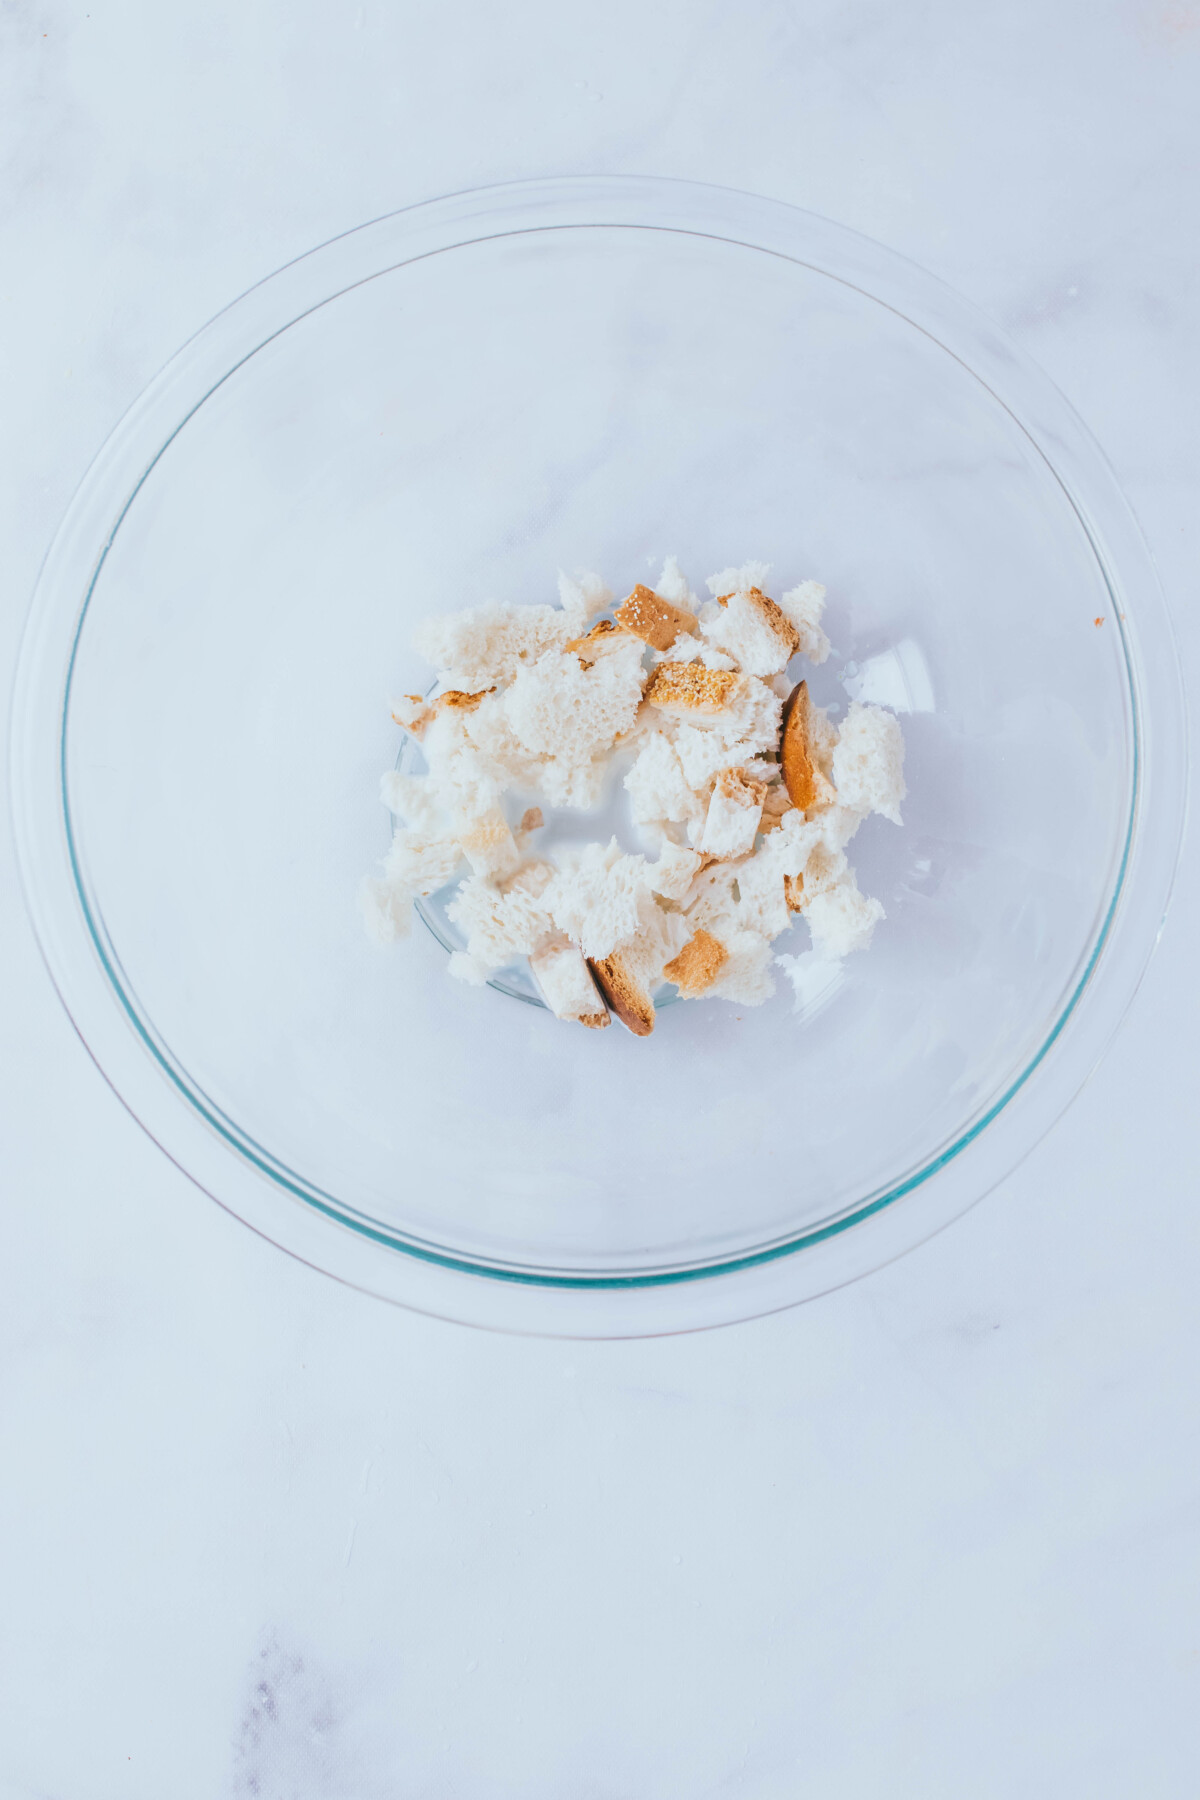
column 224, row 1160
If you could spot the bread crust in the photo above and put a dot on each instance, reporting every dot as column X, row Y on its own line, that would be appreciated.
column 698, row 964
column 807, row 787
column 684, row 688
column 656, row 621
column 626, row 996
column 773, row 617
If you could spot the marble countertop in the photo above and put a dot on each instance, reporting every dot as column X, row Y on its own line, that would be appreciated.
column 934, row 1536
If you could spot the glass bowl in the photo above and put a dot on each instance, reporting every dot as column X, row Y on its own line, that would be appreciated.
column 448, row 405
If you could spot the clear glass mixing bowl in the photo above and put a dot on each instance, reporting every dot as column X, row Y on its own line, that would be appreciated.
column 445, row 406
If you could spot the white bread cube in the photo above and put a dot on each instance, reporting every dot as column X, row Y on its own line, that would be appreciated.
column 841, row 919
column 746, row 976
column 738, row 581
column 868, row 761
column 487, row 842
column 657, row 786
column 672, row 875
column 502, row 921
column 566, row 983
column 752, row 629
column 804, row 605
column 557, row 708
column 599, row 898
column 488, row 644
column 731, row 824
column 672, row 585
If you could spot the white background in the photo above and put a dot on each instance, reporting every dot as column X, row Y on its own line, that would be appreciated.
column 936, row 1537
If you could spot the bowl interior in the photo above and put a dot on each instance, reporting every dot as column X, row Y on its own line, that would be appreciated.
column 457, row 428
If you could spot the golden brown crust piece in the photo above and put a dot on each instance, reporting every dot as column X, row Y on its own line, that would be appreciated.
column 655, row 620
column 807, row 787
column 698, row 964
column 778, row 620
column 532, row 819
column 690, row 688
column 595, row 1021
column 793, row 892
column 628, row 999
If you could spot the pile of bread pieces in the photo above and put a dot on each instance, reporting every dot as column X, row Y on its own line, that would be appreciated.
column 747, row 790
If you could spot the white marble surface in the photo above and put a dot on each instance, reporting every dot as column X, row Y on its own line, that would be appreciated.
column 935, row 1536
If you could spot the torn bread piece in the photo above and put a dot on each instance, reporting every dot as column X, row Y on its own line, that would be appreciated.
column 807, row 787
column 603, row 636
column 738, row 581
column 565, row 983
column 502, row 921
column 803, row 605
column 698, row 964
column 413, row 712
column 672, row 875
column 753, row 630
column 488, row 644
column 868, row 761
column 746, row 978
column 599, row 897
column 555, row 707
column 656, row 621
column 662, row 936
column 687, row 691
column 413, row 799
column 488, row 843
column 658, row 787
column 842, row 919
column 776, row 805
column 416, row 864
column 456, row 700
column 742, row 787
column 624, row 993
column 731, row 823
